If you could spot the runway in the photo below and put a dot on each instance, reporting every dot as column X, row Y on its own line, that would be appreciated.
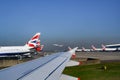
column 99, row 55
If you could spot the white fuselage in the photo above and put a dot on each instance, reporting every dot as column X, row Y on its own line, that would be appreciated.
column 110, row 49
column 106, row 49
column 86, row 50
column 8, row 51
column 13, row 50
column 83, row 50
column 97, row 49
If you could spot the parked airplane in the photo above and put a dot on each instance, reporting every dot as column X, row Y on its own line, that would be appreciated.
column 83, row 50
column 108, row 49
column 15, row 51
column 58, row 45
column 96, row 49
column 103, row 48
column 45, row 68
column 113, row 46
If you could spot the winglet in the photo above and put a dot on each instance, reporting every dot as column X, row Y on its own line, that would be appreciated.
column 78, row 78
column 73, row 51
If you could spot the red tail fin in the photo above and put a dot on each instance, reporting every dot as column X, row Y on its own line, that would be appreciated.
column 33, row 42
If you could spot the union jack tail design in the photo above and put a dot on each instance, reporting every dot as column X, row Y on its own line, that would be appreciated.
column 34, row 41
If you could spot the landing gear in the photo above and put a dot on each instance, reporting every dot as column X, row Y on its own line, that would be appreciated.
column 20, row 57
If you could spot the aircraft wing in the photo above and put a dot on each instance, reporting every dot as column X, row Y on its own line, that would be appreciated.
column 46, row 68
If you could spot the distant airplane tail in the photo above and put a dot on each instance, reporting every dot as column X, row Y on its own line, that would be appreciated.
column 83, row 49
column 34, row 41
column 93, row 47
column 103, row 47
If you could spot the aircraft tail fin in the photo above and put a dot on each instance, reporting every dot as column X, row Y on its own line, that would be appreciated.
column 103, row 47
column 93, row 47
column 83, row 49
column 34, row 41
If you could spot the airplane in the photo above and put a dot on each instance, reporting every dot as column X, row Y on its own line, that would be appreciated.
column 26, row 50
column 113, row 46
column 83, row 50
column 108, row 49
column 96, row 49
column 103, row 49
column 45, row 68
column 58, row 45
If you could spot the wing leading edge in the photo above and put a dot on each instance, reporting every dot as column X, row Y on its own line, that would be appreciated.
column 46, row 68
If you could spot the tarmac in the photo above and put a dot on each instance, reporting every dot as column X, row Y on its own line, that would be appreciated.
column 103, row 56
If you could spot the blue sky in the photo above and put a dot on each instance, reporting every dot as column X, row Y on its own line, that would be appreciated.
column 64, row 21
